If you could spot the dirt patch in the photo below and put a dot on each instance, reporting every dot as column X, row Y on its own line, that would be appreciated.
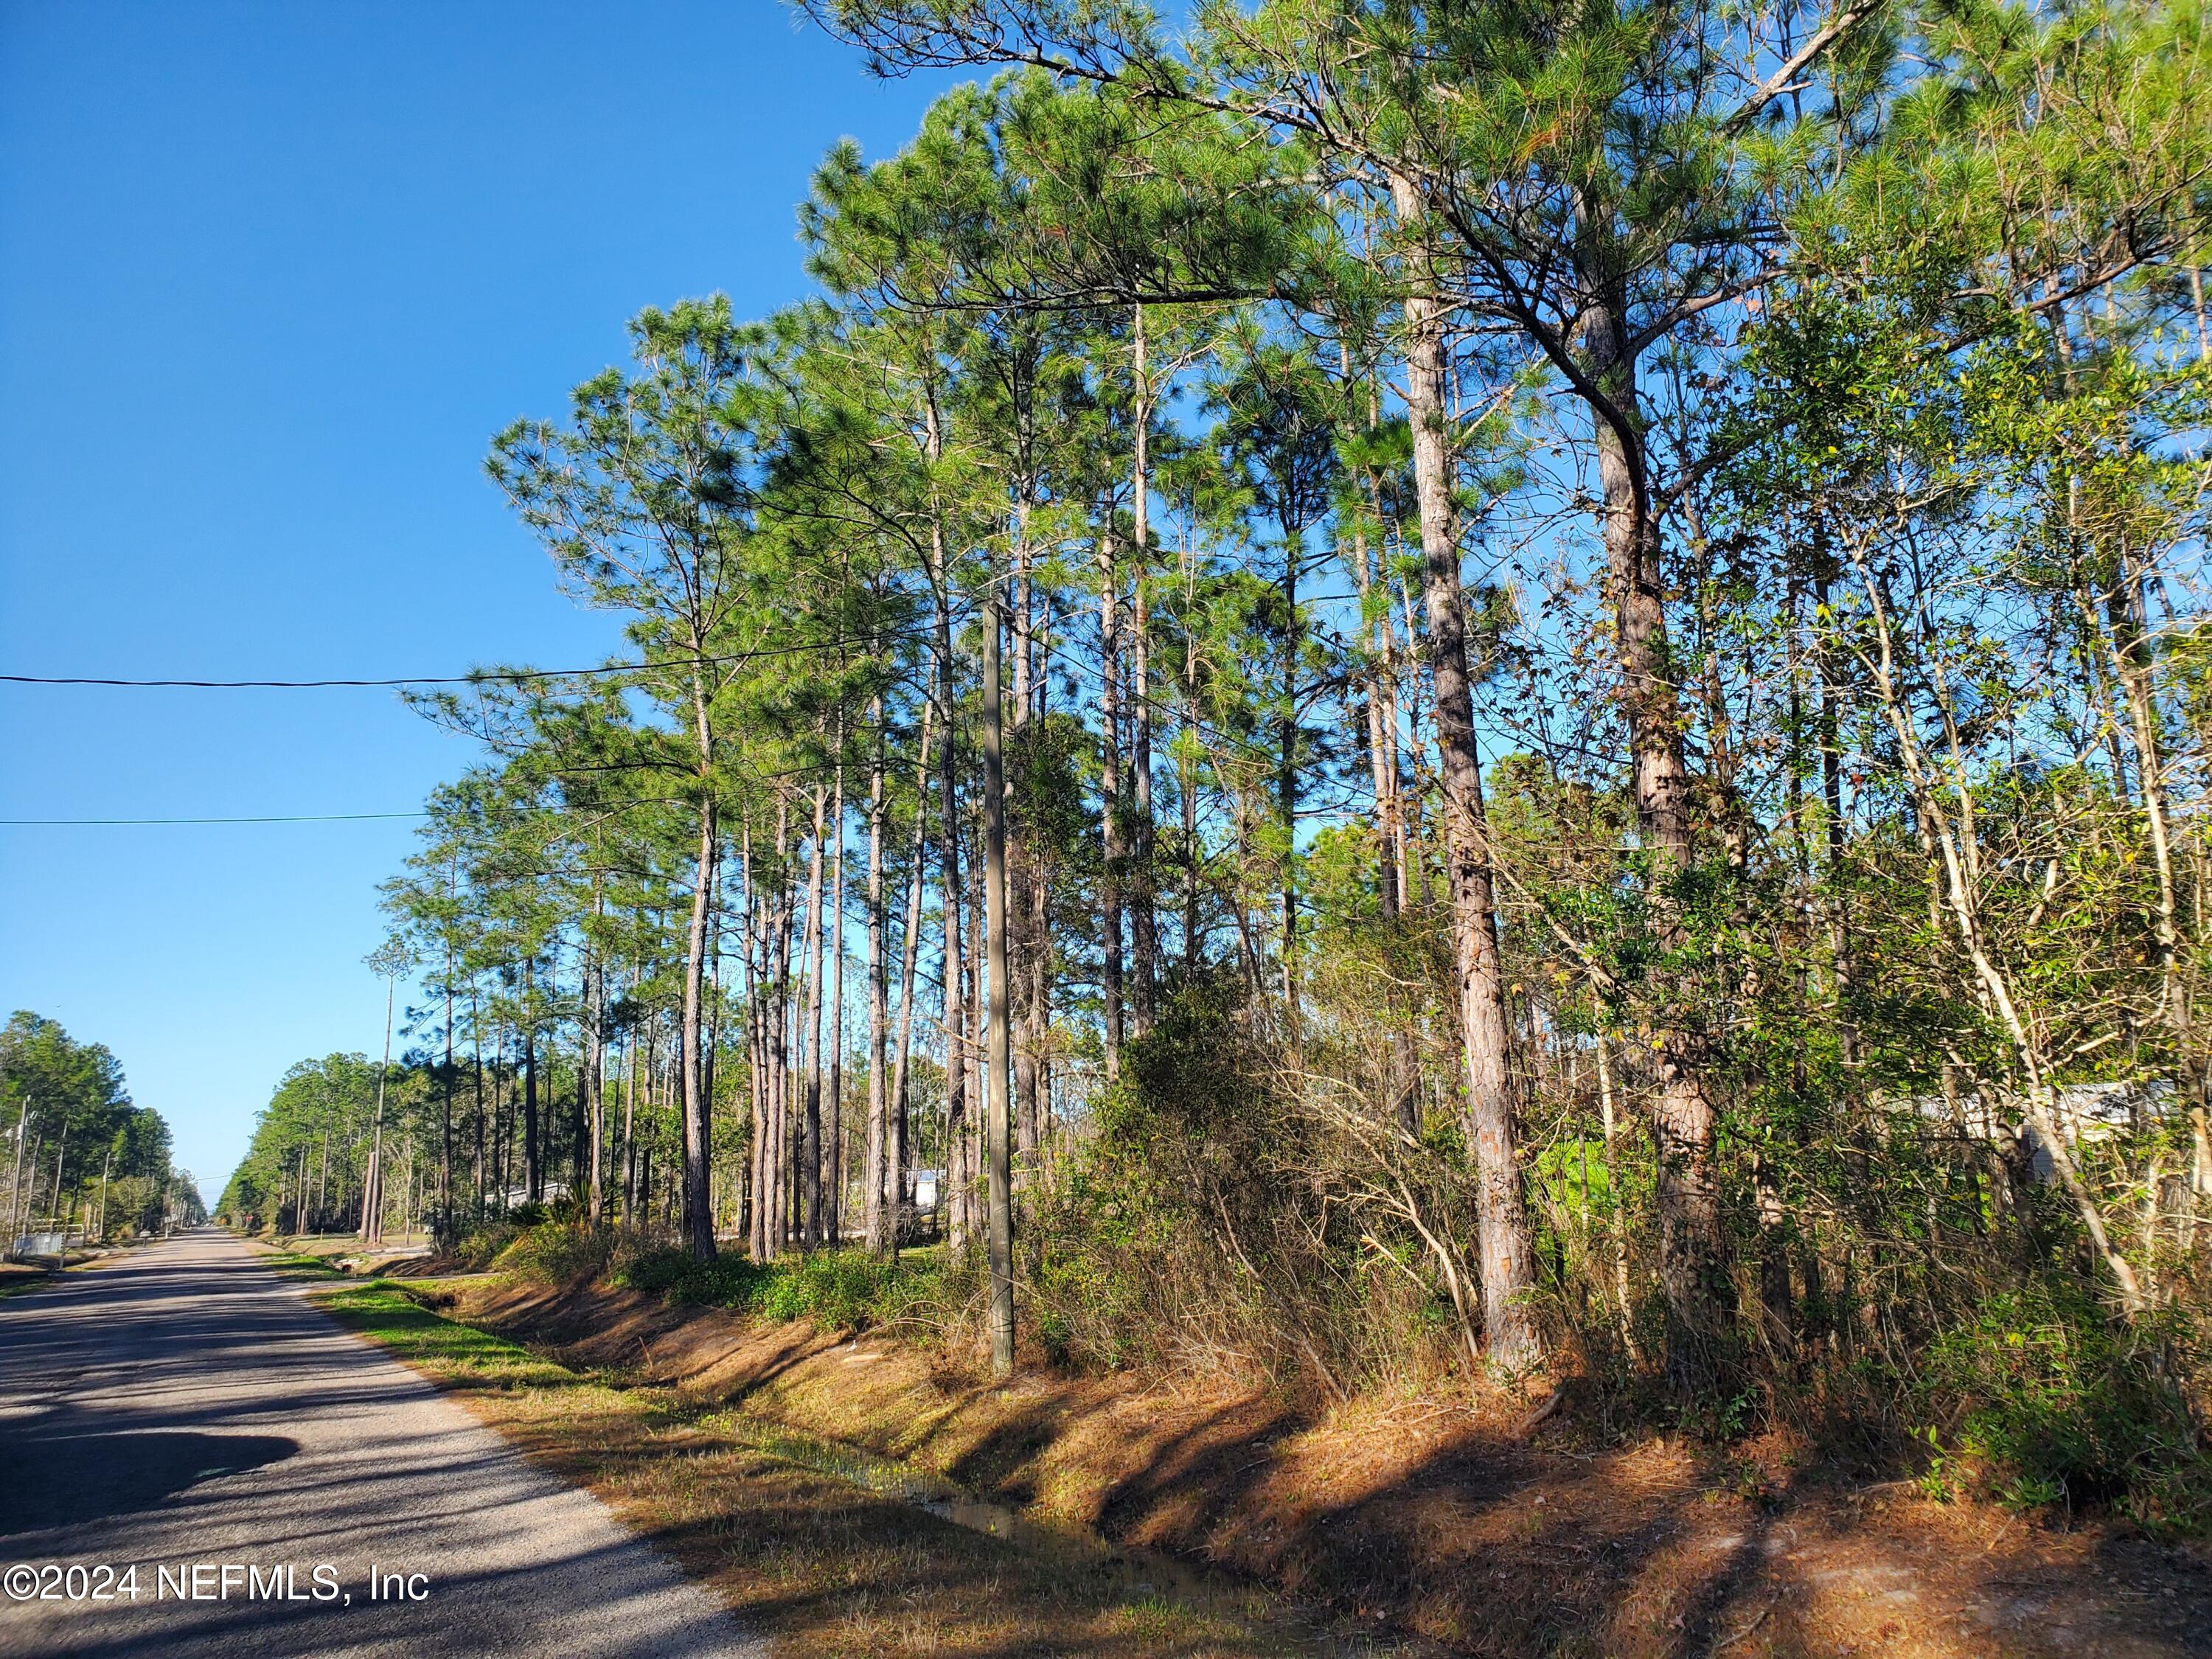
column 1422, row 1515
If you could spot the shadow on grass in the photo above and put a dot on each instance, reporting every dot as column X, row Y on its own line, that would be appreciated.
column 828, row 1564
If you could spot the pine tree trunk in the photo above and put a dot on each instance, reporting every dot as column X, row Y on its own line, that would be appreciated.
column 447, row 1231
column 1286, row 789
column 1109, row 790
column 998, row 1108
column 476, row 1059
column 778, row 1020
column 1144, row 913
column 1025, row 941
column 533, row 1172
column 629, row 1126
column 833, row 1157
column 698, row 1211
column 954, row 956
column 595, row 1072
column 1692, row 1249
column 1505, row 1242
column 896, row 1149
column 810, row 1143
column 878, row 1126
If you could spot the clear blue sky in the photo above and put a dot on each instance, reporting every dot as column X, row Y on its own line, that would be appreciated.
column 270, row 275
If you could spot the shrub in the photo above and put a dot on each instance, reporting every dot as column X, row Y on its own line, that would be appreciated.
column 2043, row 1399
column 1219, row 1218
column 561, row 1253
column 480, row 1249
column 847, row 1289
column 840, row 1289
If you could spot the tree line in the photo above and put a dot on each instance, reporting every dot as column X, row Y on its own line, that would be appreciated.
column 82, row 1158
column 1509, row 681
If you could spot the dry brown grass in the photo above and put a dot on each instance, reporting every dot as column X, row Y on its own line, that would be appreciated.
column 825, row 1565
column 1424, row 1517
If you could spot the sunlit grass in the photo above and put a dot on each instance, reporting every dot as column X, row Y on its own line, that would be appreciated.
column 296, row 1264
column 455, row 1352
column 825, row 1564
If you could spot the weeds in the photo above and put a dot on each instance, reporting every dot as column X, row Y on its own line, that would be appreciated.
column 839, row 1289
column 2041, row 1403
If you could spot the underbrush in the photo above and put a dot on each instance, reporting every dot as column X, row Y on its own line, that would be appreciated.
column 477, row 1251
column 841, row 1289
column 1199, row 1229
column 2041, row 1402
column 560, row 1252
column 1209, row 1222
column 1215, row 1220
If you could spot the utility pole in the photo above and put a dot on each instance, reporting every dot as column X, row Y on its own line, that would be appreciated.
column 372, row 1197
column 61, row 1151
column 15, row 1179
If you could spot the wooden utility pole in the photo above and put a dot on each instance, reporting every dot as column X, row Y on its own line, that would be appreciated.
column 372, row 1193
column 15, row 1179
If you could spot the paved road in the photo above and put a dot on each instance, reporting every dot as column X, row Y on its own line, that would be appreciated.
column 186, row 1405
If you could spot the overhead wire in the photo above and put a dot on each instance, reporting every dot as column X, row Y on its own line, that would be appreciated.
column 288, row 817
column 477, row 676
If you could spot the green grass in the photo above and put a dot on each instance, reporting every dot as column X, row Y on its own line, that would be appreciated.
column 18, row 1283
column 380, row 1309
column 294, row 1264
column 842, row 1290
column 839, row 1289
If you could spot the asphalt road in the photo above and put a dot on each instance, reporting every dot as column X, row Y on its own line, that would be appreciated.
column 185, row 1408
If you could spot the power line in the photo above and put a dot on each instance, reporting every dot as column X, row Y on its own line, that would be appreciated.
column 304, row 685
column 295, row 817
column 305, row 817
column 480, row 676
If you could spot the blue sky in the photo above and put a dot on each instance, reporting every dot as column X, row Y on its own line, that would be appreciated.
column 271, row 276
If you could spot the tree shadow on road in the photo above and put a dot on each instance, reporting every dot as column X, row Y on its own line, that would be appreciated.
column 60, row 1474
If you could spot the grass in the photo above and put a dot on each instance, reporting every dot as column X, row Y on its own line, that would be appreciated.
column 20, row 1277
column 16, row 1281
column 839, row 1289
column 298, row 1264
column 823, row 1563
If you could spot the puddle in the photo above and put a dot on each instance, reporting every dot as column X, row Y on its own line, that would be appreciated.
column 1135, row 1573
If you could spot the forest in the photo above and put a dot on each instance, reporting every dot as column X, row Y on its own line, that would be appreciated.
column 81, row 1157
column 1502, row 695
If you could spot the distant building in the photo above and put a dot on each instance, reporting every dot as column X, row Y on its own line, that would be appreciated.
column 2082, row 1112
